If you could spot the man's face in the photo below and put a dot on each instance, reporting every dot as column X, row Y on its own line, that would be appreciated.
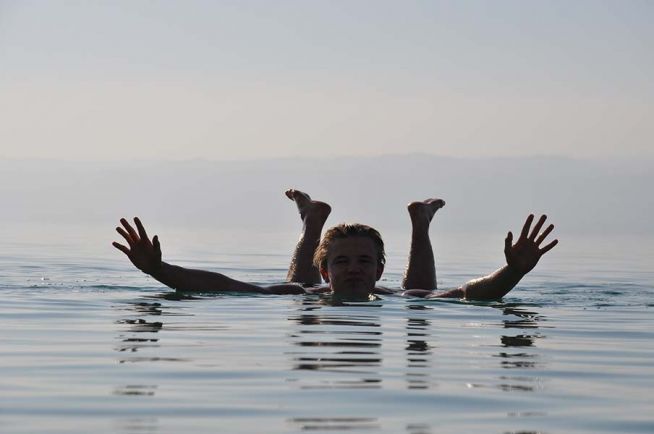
column 352, row 266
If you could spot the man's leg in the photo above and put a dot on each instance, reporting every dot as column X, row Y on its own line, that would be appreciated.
column 421, row 270
column 313, row 214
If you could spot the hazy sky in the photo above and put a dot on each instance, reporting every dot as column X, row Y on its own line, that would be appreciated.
column 248, row 79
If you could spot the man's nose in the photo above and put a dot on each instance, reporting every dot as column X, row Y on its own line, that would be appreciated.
column 353, row 267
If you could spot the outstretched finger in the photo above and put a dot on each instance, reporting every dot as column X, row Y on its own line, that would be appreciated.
column 120, row 247
column 125, row 235
column 544, row 235
column 508, row 242
column 539, row 225
column 549, row 247
column 525, row 228
column 155, row 243
column 139, row 226
column 130, row 230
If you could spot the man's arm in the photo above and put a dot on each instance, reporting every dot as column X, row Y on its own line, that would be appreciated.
column 521, row 258
column 146, row 256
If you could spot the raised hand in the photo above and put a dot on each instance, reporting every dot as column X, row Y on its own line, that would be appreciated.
column 145, row 255
column 523, row 256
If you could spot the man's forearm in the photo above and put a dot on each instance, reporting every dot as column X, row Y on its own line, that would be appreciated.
column 186, row 279
column 493, row 286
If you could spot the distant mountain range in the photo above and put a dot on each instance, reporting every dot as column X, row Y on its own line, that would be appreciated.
column 581, row 196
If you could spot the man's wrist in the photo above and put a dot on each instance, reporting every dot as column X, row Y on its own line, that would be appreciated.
column 156, row 271
column 514, row 271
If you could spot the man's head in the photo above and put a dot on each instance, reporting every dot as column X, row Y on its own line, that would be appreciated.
column 351, row 259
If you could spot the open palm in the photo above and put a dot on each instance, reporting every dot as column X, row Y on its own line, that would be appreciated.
column 144, row 254
column 526, row 252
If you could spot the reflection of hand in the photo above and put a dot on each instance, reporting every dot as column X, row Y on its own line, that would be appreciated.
column 523, row 256
column 145, row 255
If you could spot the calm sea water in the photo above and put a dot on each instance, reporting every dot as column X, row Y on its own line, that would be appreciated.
column 90, row 345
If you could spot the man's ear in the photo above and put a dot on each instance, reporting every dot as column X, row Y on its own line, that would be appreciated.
column 324, row 274
column 380, row 271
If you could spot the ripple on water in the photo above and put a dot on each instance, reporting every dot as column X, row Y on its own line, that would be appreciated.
column 114, row 351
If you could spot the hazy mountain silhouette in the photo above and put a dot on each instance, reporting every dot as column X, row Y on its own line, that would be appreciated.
column 581, row 196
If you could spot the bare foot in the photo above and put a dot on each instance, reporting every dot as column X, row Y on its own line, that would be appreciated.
column 423, row 212
column 309, row 209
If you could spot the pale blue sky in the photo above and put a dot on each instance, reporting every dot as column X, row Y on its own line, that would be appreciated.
column 250, row 79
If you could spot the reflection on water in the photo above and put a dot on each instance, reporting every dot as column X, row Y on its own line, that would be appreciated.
column 134, row 343
column 418, row 428
column 96, row 349
column 335, row 424
column 525, row 358
column 418, row 350
column 138, row 425
column 328, row 348
column 346, row 345
column 351, row 347
column 142, row 326
column 135, row 390
column 148, row 308
column 357, row 347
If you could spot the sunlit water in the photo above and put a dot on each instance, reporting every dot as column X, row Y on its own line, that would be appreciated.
column 88, row 344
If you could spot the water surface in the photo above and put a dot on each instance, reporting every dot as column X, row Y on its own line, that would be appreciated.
column 90, row 344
